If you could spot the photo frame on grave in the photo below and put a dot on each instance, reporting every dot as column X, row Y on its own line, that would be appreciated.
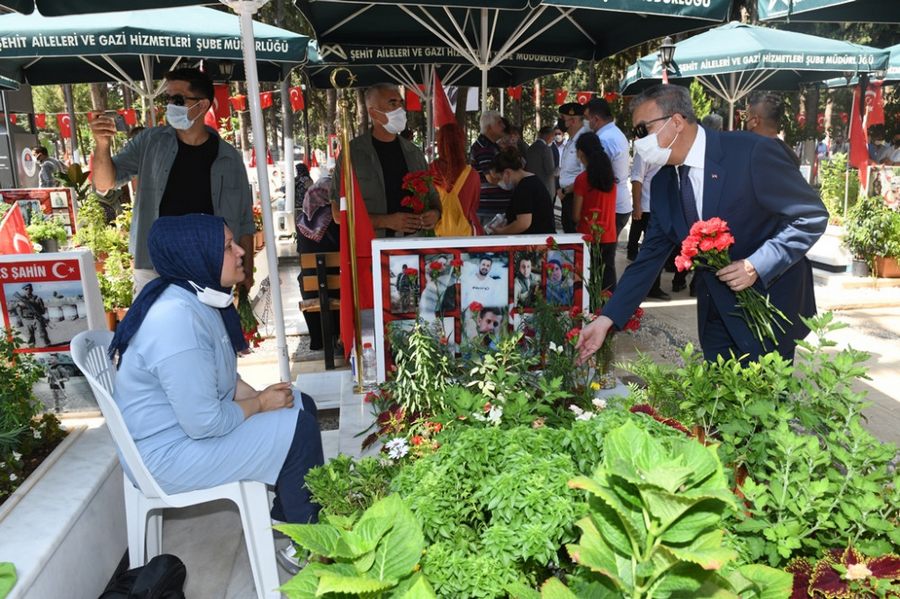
column 454, row 272
column 52, row 201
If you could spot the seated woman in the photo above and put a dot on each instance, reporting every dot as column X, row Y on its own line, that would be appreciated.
column 595, row 193
column 530, row 207
column 195, row 422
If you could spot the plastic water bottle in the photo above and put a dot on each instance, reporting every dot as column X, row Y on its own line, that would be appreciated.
column 369, row 366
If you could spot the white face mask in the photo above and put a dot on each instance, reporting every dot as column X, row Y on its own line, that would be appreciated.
column 651, row 153
column 504, row 185
column 396, row 121
column 177, row 116
column 558, row 139
column 212, row 297
column 586, row 123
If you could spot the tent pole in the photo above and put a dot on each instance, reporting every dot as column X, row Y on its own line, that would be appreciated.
column 731, row 114
column 502, row 100
column 429, row 71
column 485, row 55
column 148, row 83
column 287, row 123
column 70, row 108
column 246, row 9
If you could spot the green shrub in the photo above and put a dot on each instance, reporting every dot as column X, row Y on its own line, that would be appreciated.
column 344, row 487
column 832, row 175
column 873, row 230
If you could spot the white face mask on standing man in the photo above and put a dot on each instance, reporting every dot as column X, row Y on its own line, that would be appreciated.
column 396, row 120
column 649, row 149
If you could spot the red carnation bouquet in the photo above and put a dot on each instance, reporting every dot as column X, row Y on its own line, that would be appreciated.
column 707, row 247
column 419, row 184
column 249, row 324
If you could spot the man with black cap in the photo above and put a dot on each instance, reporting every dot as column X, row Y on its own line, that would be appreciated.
column 569, row 165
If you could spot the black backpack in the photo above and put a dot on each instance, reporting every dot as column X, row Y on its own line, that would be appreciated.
column 162, row 578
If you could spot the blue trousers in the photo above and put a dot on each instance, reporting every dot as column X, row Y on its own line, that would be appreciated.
column 293, row 502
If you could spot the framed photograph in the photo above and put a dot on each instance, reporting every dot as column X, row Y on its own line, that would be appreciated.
column 45, row 300
column 404, row 288
column 52, row 201
column 884, row 181
column 470, row 288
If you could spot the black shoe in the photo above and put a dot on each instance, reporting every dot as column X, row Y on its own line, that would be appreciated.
column 693, row 291
column 676, row 287
column 659, row 294
column 631, row 257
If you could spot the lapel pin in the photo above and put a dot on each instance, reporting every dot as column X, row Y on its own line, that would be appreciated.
column 715, row 176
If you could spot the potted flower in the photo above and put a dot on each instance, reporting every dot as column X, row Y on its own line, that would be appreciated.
column 873, row 235
column 116, row 286
column 48, row 231
column 94, row 232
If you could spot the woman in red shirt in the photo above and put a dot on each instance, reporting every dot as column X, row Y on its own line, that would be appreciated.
column 450, row 166
column 595, row 192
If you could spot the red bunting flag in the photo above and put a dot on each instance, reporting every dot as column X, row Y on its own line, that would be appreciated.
column 610, row 97
column 220, row 107
column 845, row 118
column 14, row 237
column 265, row 100
column 801, row 119
column 583, row 97
column 561, row 96
column 239, row 103
column 364, row 236
column 13, row 118
column 296, row 98
column 130, row 115
column 40, row 120
column 515, row 92
column 65, row 125
column 874, row 105
column 413, row 101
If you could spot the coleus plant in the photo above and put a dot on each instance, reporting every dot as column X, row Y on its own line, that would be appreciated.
column 845, row 573
column 376, row 556
column 653, row 529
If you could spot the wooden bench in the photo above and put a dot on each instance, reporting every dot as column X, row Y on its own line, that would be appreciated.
column 319, row 274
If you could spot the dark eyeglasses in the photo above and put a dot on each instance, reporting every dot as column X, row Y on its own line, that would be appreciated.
column 177, row 99
column 640, row 130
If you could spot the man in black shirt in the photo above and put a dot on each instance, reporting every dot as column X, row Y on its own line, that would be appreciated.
column 381, row 157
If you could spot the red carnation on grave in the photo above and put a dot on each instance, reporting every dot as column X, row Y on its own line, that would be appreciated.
column 551, row 242
column 456, row 263
column 572, row 335
column 436, row 265
column 475, row 307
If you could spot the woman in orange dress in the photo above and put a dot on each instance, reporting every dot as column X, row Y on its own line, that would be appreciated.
column 595, row 193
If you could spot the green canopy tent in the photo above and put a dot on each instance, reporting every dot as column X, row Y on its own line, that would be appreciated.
column 735, row 59
column 890, row 76
column 245, row 9
column 488, row 33
column 825, row 11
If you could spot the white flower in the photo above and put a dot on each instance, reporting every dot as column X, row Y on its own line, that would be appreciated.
column 397, row 448
column 37, row 434
column 2, row 465
column 600, row 404
column 16, row 456
column 495, row 414
column 585, row 416
column 555, row 348
column 576, row 410
column 12, row 477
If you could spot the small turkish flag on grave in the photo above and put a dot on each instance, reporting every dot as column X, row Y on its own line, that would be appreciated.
column 14, row 237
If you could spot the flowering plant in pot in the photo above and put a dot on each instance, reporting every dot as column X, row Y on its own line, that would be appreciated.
column 48, row 231
column 873, row 233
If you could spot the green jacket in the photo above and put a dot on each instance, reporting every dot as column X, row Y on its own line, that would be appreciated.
column 369, row 175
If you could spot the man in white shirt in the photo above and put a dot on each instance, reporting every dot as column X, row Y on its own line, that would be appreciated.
column 641, row 176
column 569, row 165
column 600, row 119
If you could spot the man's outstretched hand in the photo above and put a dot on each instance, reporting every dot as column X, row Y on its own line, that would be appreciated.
column 591, row 338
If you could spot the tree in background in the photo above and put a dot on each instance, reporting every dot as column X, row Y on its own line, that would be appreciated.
column 702, row 103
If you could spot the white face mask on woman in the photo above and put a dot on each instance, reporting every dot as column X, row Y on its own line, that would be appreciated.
column 212, row 297
column 396, row 120
column 650, row 151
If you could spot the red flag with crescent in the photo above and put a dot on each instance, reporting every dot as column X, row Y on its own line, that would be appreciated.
column 130, row 116
column 583, row 97
column 265, row 100
column 859, row 152
column 14, row 237
column 40, row 120
column 13, row 118
column 296, row 99
column 561, row 96
column 239, row 103
column 65, row 125
column 220, row 106
column 364, row 236
column 515, row 93
column 874, row 105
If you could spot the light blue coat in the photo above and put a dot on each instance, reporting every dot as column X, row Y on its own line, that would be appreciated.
column 175, row 388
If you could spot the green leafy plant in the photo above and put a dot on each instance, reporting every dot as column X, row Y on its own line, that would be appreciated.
column 117, row 281
column 832, row 174
column 77, row 179
column 872, row 230
column 423, row 371
column 45, row 227
column 375, row 556
column 653, row 529
column 344, row 487
column 94, row 233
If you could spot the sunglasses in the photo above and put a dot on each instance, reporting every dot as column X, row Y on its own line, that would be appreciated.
column 177, row 99
column 640, row 130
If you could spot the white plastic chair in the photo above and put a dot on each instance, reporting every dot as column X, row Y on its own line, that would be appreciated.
column 144, row 502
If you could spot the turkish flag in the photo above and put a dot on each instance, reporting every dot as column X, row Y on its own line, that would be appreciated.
column 130, row 116
column 583, row 97
column 364, row 236
column 515, row 92
column 239, row 103
column 265, row 100
column 220, row 107
column 859, row 151
column 296, row 99
column 65, row 125
column 874, row 105
column 13, row 118
column 40, row 120
column 610, row 97
column 209, row 119
column 14, row 237
column 561, row 96
column 413, row 101
column 443, row 114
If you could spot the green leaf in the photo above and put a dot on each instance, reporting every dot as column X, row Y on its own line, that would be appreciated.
column 330, row 582
column 683, row 580
column 668, row 475
column 400, row 550
column 667, row 507
column 761, row 582
column 623, row 443
column 706, row 551
column 415, row 587
column 365, row 535
column 320, row 539
column 593, row 552
column 518, row 590
column 304, row 584
column 553, row 588
column 700, row 517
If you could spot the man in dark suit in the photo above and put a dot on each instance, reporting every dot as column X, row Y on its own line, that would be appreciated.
column 748, row 181
column 539, row 160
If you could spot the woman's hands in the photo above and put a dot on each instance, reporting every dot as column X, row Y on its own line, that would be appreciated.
column 275, row 397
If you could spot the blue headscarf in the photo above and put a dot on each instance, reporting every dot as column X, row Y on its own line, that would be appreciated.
column 182, row 248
